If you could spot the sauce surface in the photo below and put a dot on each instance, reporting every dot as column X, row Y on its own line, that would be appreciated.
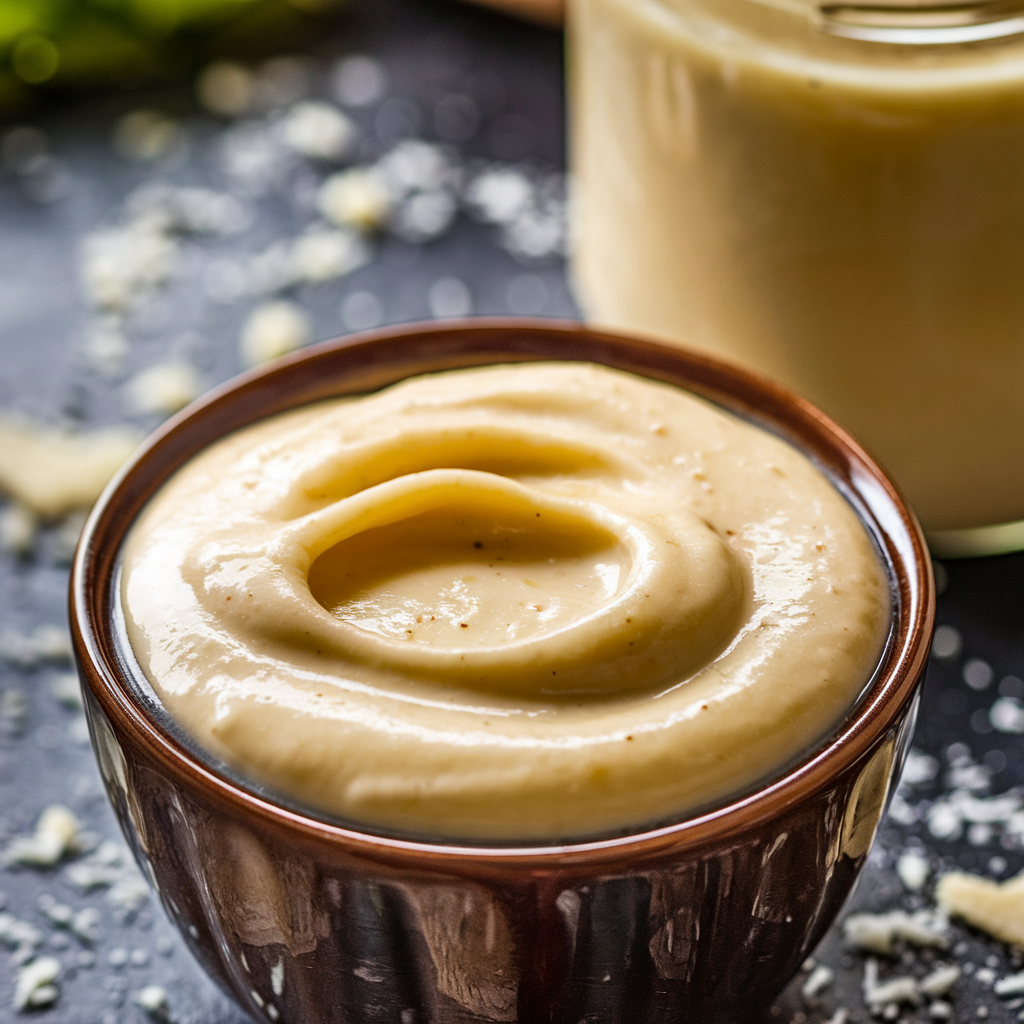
column 526, row 603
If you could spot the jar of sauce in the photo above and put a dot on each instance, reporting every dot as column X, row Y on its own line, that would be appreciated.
column 832, row 193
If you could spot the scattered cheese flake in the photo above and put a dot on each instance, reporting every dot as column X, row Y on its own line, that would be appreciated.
column 106, row 346
column 902, row 812
column 500, row 195
column 536, row 234
column 56, row 835
column 963, row 772
column 100, row 869
column 18, row 525
column 355, row 198
column 53, row 471
column 46, row 643
column 273, row 269
column 322, row 255
column 987, row 809
column 879, row 933
column 1011, row 985
column 979, row 835
column 34, row 986
column 819, row 980
column 272, row 330
column 60, row 914
column 13, row 711
column 415, row 166
column 68, row 691
column 945, row 821
column 888, row 993
column 163, row 388
column 119, row 266
column 994, row 907
column 919, row 768
column 424, row 215
column 940, row 1010
column 940, row 980
column 189, row 210
column 153, row 999
column 1007, row 715
column 19, row 936
column 254, row 158
column 913, row 869
column 225, row 88
column 130, row 892
column 317, row 130
column 85, row 924
column 947, row 642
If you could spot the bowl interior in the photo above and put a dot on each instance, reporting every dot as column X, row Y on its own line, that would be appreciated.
column 369, row 362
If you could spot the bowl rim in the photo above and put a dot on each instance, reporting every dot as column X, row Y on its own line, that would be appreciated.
column 366, row 361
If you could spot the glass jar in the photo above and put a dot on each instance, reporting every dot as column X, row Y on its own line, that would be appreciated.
column 832, row 194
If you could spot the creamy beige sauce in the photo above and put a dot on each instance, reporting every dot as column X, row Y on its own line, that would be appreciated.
column 845, row 216
column 515, row 603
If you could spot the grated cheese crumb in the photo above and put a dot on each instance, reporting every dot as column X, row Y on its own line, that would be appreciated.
column 18, row 525
column 225, row 88
column 20, row 936
column 913, row 870
column 940, row 981
column 51, row 471
column 356, row 198
column 129, row 892
column 994, row 907
column 55, row 836
column 153, row 999
column 35, row 985
column 879, row 933
column 317, row 130
column 888, row 993
column 322, row 255
column 45, row 644
column 272, row 330
column 819, row 980
column 163, row 388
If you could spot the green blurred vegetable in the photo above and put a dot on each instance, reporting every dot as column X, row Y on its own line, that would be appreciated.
column 73, row 44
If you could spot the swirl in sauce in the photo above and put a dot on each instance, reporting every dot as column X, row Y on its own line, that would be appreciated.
column 514, row 603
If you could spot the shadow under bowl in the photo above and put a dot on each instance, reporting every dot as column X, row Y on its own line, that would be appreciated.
column 313, row 922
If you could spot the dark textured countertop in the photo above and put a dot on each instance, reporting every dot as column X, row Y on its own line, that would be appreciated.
column 490, row 90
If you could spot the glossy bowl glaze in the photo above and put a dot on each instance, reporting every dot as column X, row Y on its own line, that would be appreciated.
column 308, row 922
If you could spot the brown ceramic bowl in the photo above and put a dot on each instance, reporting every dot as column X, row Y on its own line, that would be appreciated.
column 309, row 922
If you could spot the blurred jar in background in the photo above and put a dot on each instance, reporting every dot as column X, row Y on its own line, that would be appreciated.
column 834, row 195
